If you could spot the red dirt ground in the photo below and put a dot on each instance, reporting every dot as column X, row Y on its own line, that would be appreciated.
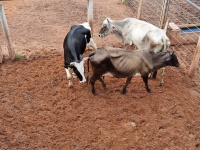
column 39, row 111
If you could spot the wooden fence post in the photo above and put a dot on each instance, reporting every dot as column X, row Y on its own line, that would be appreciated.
column 90, row 14
column 1, row 55
column 195, row 60
column 165, row 9
column 139, row 9
column 6, row 32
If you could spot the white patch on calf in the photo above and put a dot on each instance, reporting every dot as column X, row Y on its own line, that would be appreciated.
column 108, row 74
column 111, row 75
column 80, row 68
column 137, row 75
column 92, row 43
column 86, row 25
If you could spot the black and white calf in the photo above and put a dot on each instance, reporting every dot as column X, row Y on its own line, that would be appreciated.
column 74, row 46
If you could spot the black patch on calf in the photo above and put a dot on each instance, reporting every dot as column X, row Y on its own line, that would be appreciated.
column 75, row 43
column 77, row 73
column 74, row 46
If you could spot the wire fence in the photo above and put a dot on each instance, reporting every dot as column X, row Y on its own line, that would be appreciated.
column 180, row 13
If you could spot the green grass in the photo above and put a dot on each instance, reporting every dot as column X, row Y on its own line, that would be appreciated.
column 18, row 56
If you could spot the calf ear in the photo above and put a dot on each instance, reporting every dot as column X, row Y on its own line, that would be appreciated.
column 108, row 20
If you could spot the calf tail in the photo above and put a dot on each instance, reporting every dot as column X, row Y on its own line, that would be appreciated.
column 88, row 64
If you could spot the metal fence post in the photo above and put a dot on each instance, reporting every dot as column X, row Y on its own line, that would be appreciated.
column 6, row 32
column 90, row 13
column 139, row 9
column 165, row 9
column 1, row 55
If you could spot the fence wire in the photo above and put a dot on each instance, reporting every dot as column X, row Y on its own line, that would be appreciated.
column 182, row 14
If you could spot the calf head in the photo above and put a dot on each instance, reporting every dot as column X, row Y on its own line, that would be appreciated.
column 106, row 28
column 78, row 69
column 172, row 60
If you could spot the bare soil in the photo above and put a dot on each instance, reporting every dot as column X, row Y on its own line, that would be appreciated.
column 39, row 111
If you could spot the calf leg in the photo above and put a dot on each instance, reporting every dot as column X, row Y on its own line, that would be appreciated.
column 69, row 77
column 128, row 80
column 102, row 82
column 145, row 79
column 162, row 76
column 92, row 82
column 154, row 74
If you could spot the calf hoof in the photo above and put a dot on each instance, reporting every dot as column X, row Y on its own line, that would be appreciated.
column 149, row 90
column 70, row 86
column 161, row 83
column 94, row 92
column 123, row 91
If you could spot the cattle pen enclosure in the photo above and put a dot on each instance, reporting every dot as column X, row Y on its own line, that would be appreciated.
column 39, row 111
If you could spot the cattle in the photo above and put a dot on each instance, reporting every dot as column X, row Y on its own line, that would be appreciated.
column 74, row 46
column 121, row 63
column 140, row 33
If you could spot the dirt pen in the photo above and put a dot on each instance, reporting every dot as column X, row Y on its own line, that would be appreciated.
column 39, row 111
